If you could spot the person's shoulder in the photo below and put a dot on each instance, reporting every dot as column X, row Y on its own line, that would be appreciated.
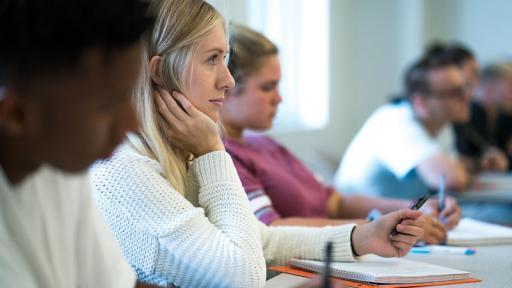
column 49, row 178
column 261, row 141
column 64, row 193
column 126, row 156
column 389, row 115
column 396, row 108
column 266, row 144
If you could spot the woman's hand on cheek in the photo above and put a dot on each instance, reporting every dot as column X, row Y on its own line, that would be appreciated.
column 186, row 127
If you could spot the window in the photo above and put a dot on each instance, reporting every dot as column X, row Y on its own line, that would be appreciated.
column 300, row 28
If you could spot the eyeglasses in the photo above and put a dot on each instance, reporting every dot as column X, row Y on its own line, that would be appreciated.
column 457, row 93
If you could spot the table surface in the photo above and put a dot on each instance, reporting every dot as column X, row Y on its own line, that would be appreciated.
column 491, row 264
column 490, row 187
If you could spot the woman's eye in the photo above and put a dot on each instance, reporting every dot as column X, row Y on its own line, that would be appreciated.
column 213, row 60
column 267, row 88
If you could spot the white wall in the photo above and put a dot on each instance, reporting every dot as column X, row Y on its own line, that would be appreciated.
column 371, row 43
column 485, row 26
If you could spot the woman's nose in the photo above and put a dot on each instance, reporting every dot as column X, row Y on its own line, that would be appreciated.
column 226, row 80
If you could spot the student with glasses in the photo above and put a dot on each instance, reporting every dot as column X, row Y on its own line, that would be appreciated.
column 481, row 142
column 405, row 146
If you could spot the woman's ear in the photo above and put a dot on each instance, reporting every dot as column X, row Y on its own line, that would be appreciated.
column 154, row 70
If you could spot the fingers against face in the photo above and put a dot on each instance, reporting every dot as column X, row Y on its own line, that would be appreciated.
column 183, row 101
column 164, row 111
column 172, row 105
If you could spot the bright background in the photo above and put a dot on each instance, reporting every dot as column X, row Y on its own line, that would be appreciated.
column 362, row 50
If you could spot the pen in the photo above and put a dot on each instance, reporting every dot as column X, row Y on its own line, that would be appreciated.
column 414, row 206
column 327, row 268
column 438, row 249
column 441, row 194
column 374, row 215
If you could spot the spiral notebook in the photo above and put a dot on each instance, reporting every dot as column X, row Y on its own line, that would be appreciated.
column 472, row 232
column 376, row 269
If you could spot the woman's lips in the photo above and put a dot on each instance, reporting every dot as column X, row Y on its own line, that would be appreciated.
column 218, row 102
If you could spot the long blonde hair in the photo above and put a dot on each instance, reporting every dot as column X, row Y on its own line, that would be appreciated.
column 180, row 25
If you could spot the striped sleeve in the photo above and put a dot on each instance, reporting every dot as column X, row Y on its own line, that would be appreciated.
column 261, row 206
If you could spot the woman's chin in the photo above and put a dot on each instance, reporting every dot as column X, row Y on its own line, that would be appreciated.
column 262, row 127
column 215, row 116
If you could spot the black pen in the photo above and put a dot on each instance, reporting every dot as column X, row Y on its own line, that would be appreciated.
column 415, row 206
column 327, row 268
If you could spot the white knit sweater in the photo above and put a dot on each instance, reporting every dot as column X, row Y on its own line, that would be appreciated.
column 208, row 240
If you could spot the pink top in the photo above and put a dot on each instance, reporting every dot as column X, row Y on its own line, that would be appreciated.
column 277, row 184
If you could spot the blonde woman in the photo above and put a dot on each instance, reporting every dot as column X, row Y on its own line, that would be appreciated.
column 171, row 194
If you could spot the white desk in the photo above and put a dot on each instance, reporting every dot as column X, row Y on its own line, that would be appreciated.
column 493, row 187
column 493, row 265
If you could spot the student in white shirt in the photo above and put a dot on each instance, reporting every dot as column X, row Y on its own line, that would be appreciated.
column 171, row 194
column 66, row 72
column 404, row 147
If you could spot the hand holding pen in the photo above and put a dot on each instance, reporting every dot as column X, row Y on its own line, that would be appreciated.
column 447, row 208
column 450, row 215
column 444, row 208
column 375, row 237
column 416, row 205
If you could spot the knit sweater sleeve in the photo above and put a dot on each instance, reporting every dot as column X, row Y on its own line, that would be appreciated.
column 169, row 241
column 280, row 244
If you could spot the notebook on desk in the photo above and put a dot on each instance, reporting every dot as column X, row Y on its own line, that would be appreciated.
column 472, row 232
column 375, row 269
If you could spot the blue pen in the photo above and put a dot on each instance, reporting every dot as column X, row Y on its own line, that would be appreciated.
column 441, row 194
column 438, row 249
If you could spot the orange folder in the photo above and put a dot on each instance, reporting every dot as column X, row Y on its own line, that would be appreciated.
column 349, row 283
